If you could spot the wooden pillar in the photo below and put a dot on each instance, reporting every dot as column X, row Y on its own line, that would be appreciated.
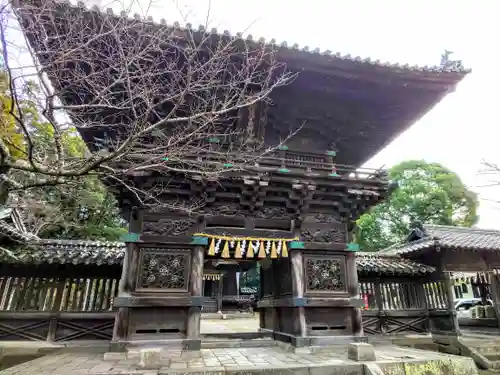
column 297, row 263
column 495, row 294
column 219, row 293
column 353, row 290
column 230, row 286
column 450, row 298
column 56, row 308
column 381, row 325
column 196, row 289
column 126, row 284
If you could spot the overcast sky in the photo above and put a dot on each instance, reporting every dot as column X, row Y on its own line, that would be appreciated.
column 459, row 133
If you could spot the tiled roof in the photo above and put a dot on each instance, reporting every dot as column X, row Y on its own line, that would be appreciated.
column 12, row 227
column 10, row 232
column 454, row 67
column 111, row 253
column 389, row 264
column 449, row 237
column 70, row 251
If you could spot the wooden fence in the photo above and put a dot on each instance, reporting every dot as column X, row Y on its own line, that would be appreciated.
column 57, row 309
column 81, row 308
column 400, row 307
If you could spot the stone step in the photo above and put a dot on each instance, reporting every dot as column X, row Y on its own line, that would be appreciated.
column 495, row 366
column 255, row 343
column 493, row 357
column 486, row 348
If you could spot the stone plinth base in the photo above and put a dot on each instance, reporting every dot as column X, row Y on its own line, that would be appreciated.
column 297, row 341
column 137, row 349
column 361, row 352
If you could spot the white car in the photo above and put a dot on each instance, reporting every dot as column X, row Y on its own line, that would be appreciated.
column 464, row 305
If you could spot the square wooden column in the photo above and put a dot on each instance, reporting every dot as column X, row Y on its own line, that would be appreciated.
column 297, row 268
column 126, row 284
column 450, row 296
column 353, row 290
column 219, row 293
column 196, row 291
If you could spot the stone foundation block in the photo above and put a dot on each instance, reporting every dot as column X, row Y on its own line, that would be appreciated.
column 360, row 352
column 490, row 312
column 150, row 358
column 373, row 369
column 114, row 356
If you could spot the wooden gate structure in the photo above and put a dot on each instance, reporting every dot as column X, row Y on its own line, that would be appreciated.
column 66, row 291
column 291, row 205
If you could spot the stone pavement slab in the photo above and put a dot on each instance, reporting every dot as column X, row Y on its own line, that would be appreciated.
column 331, row 361
column 211, row 326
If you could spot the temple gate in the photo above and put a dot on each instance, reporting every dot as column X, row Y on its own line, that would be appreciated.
column 289, row 186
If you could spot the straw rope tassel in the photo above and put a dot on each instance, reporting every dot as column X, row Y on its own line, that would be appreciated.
column 225, row 250
column 262, row 251
column 274, row 253
column 237, row 253
column 250, row 253
column 211, row 249
column 284, row 250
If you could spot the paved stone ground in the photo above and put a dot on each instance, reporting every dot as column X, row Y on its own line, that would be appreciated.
column 214, row 361
column 230, row 326
column 89, row 360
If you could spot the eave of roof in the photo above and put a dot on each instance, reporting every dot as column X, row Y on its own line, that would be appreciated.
column 388, row 264
column 449, row 237
column 10, row 232
column 453, row 72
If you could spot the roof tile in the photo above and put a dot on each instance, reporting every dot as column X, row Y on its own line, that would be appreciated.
column 111, row 253
column 389, row 264
column 455, row 67
column 449, row 237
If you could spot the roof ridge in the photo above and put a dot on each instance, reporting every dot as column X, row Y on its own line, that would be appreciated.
column 451, row 68
column 398, row 245
column 50, row 241
column 462, row 228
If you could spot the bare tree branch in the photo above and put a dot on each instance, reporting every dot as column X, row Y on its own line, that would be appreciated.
column 145, row 97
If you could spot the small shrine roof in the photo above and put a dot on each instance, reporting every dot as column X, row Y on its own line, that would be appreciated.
column 458, row 238
column 111, row 253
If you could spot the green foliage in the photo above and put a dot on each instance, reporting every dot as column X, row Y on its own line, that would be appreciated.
column 428, row 193
column 80, row 208
column 251, row 278
column 84, row 210
column 8, row 129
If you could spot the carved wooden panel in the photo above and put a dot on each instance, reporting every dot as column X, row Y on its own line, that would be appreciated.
column 328, row 234
column 323, row 228
column 324, row 274
column 169, row 227
column 163, row 270
column 272, row 213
